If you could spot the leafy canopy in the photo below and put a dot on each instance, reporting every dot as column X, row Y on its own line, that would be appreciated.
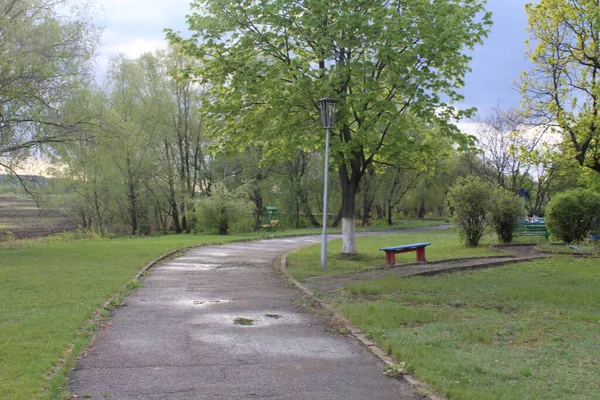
column 385, row 61
column 562, row 90
column 44, row 57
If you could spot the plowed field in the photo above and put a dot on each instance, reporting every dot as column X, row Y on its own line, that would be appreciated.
column 24, row 220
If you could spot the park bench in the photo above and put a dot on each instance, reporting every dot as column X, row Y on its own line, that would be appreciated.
column 271, row 226
column 532, row 229
column 390, row 252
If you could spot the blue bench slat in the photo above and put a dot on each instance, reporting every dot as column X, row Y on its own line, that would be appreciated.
column 405, row 247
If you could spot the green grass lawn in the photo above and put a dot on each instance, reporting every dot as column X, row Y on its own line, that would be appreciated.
column 526, row 331
column 376, row 226
column 49, row 290
column 444, row 244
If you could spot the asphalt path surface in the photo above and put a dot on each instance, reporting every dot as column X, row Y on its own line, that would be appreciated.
column 221, row 323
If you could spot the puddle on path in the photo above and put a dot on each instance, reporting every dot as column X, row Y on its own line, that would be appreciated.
column 197, row 303
column 243, row 321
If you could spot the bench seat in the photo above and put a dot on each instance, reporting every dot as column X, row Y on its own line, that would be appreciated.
column 532, row 229
column 390, row 252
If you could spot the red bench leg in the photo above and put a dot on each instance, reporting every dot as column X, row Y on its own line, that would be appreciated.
column 390, row 257
column 421, row 254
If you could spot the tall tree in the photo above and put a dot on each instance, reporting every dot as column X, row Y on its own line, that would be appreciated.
column 44, row 56
column 385, row 61
column 503, row 136
column 563, row 89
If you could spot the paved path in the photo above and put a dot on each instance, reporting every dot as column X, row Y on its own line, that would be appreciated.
column 176, row 338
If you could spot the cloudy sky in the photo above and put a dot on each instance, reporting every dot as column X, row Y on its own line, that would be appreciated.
column 135, row 26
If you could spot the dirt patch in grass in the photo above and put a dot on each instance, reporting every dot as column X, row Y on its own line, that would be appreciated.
column 24, row 220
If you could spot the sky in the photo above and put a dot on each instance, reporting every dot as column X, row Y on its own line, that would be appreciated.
column 133, row 27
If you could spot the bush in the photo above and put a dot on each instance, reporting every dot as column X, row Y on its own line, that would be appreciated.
column 506, row 212
column 223, row 211
column 571, row 216
column 469, row 202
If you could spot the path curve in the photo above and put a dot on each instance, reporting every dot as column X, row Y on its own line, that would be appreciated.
column 182, row 336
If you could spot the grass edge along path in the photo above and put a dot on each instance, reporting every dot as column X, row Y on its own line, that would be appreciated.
column 418, row 386
column 58, row 384
column 32, row 274
column 53, row 295
column 521, row 331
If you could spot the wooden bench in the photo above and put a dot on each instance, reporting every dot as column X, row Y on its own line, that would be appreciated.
column 532, row 229
column 271, row 226
column 390, row 252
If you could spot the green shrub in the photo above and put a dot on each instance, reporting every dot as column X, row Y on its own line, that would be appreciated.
column 224, row 211
column 506, row 212
column 469, row 202
column 572, row 215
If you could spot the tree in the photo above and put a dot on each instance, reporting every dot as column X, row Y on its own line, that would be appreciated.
column 223, row 209
column 44, row 58
column 470, row 201
column 503, row 136
column 506, row 213
column 385, row 61
column 562, row 91
column 573, row 214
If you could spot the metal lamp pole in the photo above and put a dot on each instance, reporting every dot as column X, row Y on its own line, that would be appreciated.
column 327, row 107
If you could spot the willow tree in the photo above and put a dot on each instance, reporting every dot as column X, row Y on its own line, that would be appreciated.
column 45, row 55
column 563, row 89
column 384, row 61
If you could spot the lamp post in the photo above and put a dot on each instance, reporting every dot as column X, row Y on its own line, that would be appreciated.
column 327, row 108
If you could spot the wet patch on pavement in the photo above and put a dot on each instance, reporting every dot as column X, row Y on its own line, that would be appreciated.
column 243, row 321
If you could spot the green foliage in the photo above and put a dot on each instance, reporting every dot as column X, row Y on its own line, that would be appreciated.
column 470, row 200
column 506, row 213
column 270, row 62
column 140, row 168
column 562, row 87
column 45, row 58
column 264, row 60
column 572, row 215
column 396, row 370
column 224, row 210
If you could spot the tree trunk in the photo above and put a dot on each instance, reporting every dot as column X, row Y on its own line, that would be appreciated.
column 422, row 210
column 257, row 199
column 337, row 220
column 366, row 210
column 350, row 183
column 132, row 197
column 303, row 196
column 379, row 210
column 172, row 192
column 184, row 223
column 174, row 211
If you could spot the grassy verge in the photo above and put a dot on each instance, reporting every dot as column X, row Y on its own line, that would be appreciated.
column 377, row 226
column 526, row 331
column 444, row 244
column 49, row 290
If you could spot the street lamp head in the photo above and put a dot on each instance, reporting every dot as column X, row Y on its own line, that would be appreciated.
column 327, row 106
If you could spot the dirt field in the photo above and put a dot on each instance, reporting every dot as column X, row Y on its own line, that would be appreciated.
column 23, row 219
